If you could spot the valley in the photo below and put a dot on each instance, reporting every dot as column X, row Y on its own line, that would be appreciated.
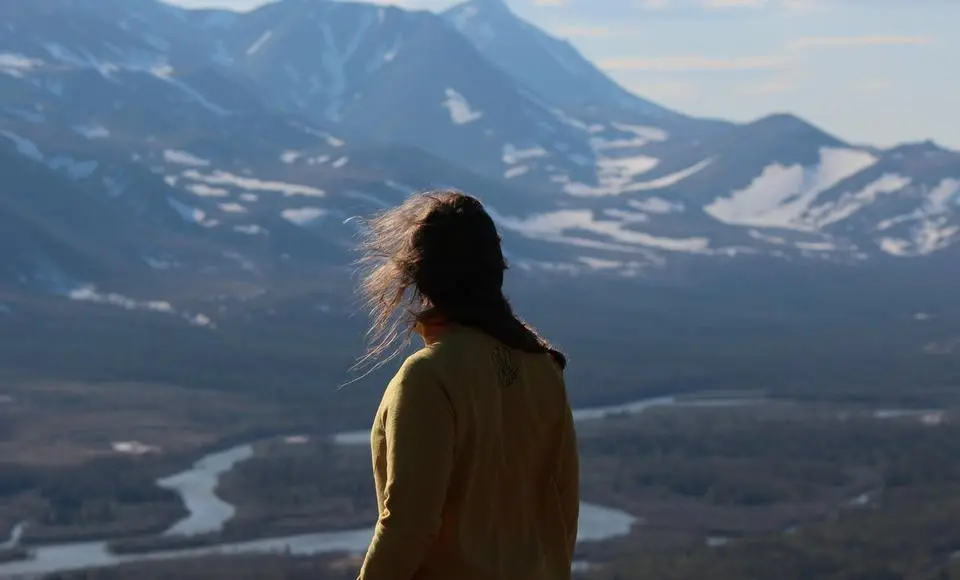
column 181, row 196
column 695, row 473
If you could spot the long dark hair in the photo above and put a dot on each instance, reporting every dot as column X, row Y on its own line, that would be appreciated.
column 437, row 254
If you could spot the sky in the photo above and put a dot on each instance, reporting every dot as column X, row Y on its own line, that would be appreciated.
column 876, row 72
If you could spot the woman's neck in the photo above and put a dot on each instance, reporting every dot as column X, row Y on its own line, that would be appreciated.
column 431, row 325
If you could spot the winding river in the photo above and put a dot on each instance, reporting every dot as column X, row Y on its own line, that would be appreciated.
column 208, row 513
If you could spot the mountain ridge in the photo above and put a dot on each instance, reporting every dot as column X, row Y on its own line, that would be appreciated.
column 249, row 140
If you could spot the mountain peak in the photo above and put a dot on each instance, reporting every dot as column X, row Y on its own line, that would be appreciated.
column 543, row 63
column 787, row 122
column 461, row 13
column 919, row 147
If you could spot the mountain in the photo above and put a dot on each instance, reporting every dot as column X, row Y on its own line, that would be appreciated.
column 550, row 67
column 212, row 150
column 356, row 65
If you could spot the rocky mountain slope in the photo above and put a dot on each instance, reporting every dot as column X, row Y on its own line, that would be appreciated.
column 147, row 147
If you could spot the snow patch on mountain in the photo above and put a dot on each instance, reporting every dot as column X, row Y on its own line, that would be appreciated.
column 641, row 136
column 303, row 216
column 387, row 56
column 204, row 190
column 232, row 207
column 850, row 203
column 92, row 131
column 289, row 157
column 460, row 111
column 656, row 205
column 644, row 132
column 188, row 213
column 672, row 179
column 600, row 264
column 259, row 43
column 929, row 228
column 224, row 178
column 561, row 226
column 130, row 59
column 926, row 238
column 250, row 229
column 516, row 171
column 16, row 65
column 89, row 293
column 184, row 158
column 463, row 16
column 616, row 176
column 25, row 147
column 894, row 246
column 167, row 74
column 73, row 168
column 513, row 154
column 781, row 195
column 335, row 62
column 934, row 235
column 944, row 197
column 627, row 217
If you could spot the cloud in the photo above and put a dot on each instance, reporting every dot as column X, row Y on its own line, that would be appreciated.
column 549, row 3
column 654, row 4
column 792, row 5
column 694, row 63
column 861, row 41
column 664, row 91
column 577, row 31
column 803, row 5
column 870, row 86
column 773, row 86
column 727, row 4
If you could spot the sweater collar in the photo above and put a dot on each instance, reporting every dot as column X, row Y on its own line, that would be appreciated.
column 430, row 325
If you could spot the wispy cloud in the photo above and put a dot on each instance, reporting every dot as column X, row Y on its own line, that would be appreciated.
column 694, row 63
column 772, row 86
column 861, row 41
column 728, row 4
column 792, row 5
column 577, row 31
column 655, row 4
column 669, row 91
column 870, row 86
column 803, row 5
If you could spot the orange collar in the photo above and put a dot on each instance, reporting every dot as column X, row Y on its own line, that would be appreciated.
column 430, row 327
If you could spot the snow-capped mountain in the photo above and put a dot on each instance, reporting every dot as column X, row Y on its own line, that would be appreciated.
column 549, row 66
column 168, row 144
column 358, row 66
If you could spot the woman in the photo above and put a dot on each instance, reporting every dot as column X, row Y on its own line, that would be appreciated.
column 474, row 450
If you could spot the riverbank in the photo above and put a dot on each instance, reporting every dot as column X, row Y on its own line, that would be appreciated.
column 15, row 554
column 615, row 457
column 209, row 514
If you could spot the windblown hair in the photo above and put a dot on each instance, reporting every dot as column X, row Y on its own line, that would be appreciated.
column 437, row 255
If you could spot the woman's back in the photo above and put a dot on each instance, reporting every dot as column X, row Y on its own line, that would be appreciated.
column 474, row 450
column 475, row 464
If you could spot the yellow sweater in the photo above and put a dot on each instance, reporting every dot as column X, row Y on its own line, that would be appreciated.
column 476, row 468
